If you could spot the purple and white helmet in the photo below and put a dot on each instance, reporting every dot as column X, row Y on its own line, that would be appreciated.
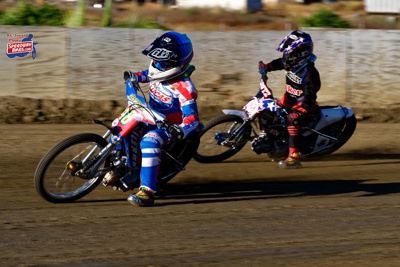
column 297, row 49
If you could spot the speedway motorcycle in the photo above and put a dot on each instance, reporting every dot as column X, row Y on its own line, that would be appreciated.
column 78, row 164
column 263, row 123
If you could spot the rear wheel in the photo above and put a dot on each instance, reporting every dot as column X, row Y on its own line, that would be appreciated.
column 55, row 178
column 175, row 158
column 213, row 148
column 342, row 130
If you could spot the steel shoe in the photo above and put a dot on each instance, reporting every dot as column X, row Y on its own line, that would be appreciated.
column 291, row 162
column 143, row 198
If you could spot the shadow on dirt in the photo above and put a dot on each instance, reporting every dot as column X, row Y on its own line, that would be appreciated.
column 243, row 190
column 213, row 192
column 361, row 155
column 356, row 155
column 268, row 189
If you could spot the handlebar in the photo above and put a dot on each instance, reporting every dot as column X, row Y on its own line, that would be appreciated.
column 263, row 74
column 264, row 89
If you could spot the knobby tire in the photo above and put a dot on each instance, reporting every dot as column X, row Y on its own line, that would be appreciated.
column 209, row 151
column 51, row 171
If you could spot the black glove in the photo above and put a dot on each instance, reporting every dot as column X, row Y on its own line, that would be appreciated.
column 175, row 131
column 130, row 75
column 297, row 113
column 292, row 118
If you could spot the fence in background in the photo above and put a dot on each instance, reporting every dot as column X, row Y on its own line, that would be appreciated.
column 356, row 66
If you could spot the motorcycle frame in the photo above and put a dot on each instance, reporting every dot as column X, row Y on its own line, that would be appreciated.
column 246, row 120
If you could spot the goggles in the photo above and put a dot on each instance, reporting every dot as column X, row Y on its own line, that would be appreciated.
column 163, row 65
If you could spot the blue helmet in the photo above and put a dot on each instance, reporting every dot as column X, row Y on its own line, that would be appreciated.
column 170, row 53
column 297, row 49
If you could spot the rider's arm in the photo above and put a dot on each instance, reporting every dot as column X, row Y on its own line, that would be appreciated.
column 276, row 64
column 187, row 100
column 312, row 84
column 143, row 76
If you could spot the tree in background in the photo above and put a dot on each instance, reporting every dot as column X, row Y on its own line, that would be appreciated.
column 107, row 14
column 77, row 16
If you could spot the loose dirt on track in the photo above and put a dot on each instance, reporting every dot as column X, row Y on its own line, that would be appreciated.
column 341, row 210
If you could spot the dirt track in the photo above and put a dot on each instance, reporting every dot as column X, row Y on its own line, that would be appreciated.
column 342, row 210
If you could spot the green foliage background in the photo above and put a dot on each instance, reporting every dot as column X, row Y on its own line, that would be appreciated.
column 48, row 15
column 324, row 18
column 26, row 14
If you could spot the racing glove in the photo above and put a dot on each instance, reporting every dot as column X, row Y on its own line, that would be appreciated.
column 262, row 67
column 300, row 110
column 130, row 75
column 292, row 118
column 175, row 131
column 297, row 112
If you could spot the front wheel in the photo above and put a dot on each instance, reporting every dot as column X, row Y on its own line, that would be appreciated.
column 56, row 178
column 214, row 139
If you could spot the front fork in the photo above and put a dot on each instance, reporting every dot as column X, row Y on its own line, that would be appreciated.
column 93, row 163
column 234, row 135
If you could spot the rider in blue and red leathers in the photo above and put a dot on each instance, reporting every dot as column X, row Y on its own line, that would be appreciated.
column 173, row 94
column 302, row 84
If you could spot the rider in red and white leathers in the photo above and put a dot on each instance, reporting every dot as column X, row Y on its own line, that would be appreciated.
column 175, row 98
column 173, row 94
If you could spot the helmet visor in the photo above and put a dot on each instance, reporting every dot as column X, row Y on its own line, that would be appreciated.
column 164, row 65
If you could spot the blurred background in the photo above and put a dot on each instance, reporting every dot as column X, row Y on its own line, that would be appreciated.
column 84, row 46
column 205, row 14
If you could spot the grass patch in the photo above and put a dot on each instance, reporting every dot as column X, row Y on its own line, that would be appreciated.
column 325, row 18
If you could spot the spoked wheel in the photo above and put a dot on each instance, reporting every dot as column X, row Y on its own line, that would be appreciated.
column 56, row 179
column 214, row 146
